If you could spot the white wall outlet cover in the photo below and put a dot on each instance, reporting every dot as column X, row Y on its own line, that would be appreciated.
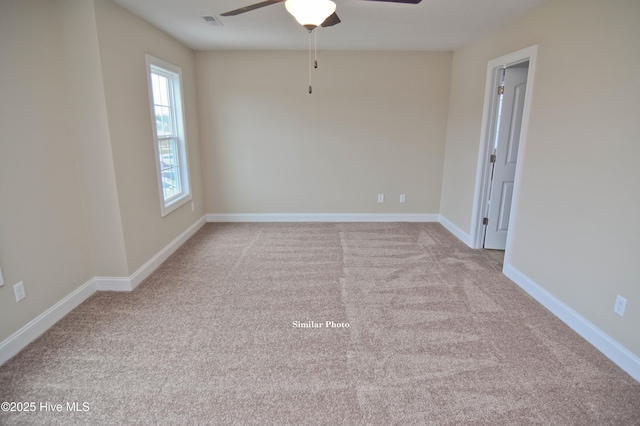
column 18, row 289
column 1, row 279
column 381, row 198
column 621, row 303
column 403, row 198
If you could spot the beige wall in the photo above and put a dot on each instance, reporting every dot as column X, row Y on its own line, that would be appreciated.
column 77, row 174
column 375, row 123
column 85, row 91
column 577, row 226
column 124, row 39
column 44, row 238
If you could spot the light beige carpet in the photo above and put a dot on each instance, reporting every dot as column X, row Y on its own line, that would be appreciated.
column 436, row 335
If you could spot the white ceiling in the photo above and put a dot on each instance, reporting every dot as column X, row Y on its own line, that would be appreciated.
column 366, row 25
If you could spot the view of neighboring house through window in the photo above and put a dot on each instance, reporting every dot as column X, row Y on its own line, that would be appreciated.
column 169, row 135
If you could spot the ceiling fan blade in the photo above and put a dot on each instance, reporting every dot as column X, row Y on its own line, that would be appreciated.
column 331, row 20
column 399, row 1
column 251, row 7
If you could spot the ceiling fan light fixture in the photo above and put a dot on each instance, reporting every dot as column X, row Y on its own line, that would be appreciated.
column 310, row 13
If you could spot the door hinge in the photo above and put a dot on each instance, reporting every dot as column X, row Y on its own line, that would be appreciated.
column 485, row 221
column 492, row 159
column 500, row 90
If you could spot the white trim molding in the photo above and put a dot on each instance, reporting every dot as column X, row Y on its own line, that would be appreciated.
column 31, row 331
column 482, row 171
column 608, row 346
column 145, row 270
column 321, row 217
column 455, row 230
column 173, row 74
column 613, row 350
column 113, row 284
column 129, row 283
column 27, row 334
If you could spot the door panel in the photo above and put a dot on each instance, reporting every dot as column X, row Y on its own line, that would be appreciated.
column 516, row 123
column 506, row 147
column 504, row 212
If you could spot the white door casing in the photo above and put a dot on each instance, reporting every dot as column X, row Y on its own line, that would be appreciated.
column 475, row 238
column 505, row 149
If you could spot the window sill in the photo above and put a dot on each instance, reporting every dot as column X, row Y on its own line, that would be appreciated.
column 175, row 204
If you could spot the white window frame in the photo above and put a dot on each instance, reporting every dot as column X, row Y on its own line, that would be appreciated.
column 174, row 73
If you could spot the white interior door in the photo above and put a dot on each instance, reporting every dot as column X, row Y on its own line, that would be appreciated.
column 505, row 150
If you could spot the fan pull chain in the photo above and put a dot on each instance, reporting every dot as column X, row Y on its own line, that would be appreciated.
column 310, row 90
column 315, row 50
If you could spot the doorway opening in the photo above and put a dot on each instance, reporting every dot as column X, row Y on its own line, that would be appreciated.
column 503, row 152
column 504, row 123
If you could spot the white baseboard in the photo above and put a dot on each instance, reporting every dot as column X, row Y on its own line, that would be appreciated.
column 21, row 338
column 129, row 283
column 113, row 284
column 145, row 270
column 27, row 334
column 31, row 331
column 455, row 230
column 321, row 217
column 613, row 350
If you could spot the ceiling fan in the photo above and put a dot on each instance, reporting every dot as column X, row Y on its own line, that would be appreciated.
column 309, row 13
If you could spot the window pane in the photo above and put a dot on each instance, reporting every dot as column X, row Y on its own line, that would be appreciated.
column 171, row 182
column 170, row 170
column 164, row 91
column 155, row 85
column 160, row 86
column 164, row 122
column 169, row 134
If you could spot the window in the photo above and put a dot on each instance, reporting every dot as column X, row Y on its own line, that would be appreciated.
column 170, row 144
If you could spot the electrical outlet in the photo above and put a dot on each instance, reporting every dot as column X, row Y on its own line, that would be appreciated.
column 1, row 279
column 403, row 198
column 621, row 303
column 18, row 289
column 381, row 198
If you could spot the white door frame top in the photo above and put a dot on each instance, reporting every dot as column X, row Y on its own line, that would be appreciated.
column 481, row 192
